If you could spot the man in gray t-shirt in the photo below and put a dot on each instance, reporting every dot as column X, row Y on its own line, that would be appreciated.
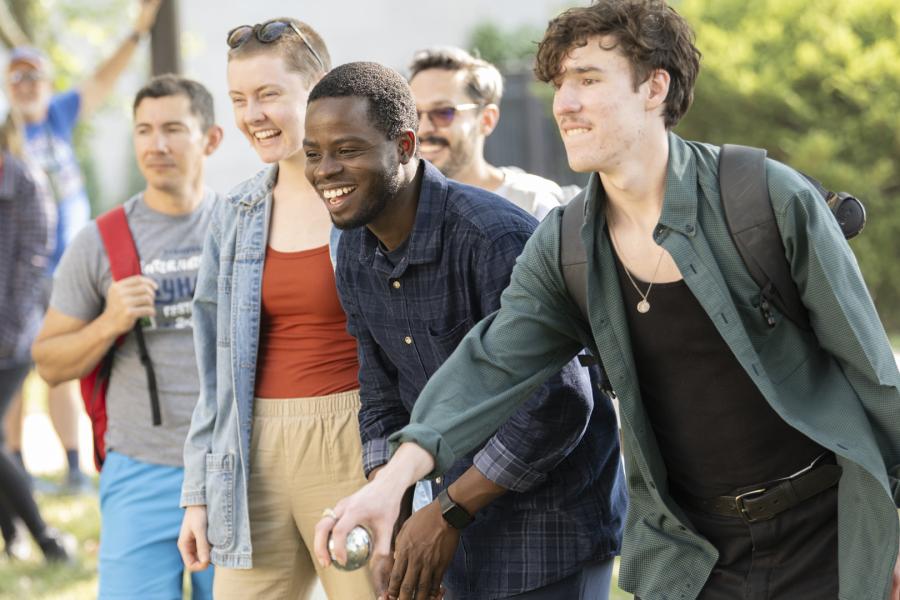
column 140, row 485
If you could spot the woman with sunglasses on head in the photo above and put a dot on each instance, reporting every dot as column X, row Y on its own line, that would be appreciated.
column 274, row 438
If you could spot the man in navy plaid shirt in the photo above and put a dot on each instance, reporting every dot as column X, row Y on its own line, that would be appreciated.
column 421, row 260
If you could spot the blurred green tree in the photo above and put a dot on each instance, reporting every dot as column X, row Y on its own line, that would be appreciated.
column 76, row 35
column 818, row 85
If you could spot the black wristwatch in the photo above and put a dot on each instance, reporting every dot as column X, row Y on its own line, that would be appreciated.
column 452, row 512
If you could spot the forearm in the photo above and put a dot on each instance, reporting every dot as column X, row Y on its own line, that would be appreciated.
column 95, row 90
column 473, row 491
column 73, row 355
column 409, row 464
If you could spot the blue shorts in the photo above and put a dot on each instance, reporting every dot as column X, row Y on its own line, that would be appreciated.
column 140, row 521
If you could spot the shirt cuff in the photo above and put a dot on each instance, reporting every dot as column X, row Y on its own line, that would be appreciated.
column 192, row 499
column 429, row 440
column 497, row 463
column 375, row 453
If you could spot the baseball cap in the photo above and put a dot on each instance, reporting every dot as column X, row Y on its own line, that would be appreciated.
column 28, row 55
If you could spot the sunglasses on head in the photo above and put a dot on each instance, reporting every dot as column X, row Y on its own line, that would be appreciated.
column 267, row 33
column 444, row 115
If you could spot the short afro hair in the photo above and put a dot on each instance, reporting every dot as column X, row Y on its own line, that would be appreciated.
column 391, row 104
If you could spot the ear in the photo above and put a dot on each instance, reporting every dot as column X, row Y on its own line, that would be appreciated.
column 213, row 138
column 490, row 116
column 406, row 145
column 657, row 88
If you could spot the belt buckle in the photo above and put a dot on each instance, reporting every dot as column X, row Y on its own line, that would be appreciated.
column 742, row 508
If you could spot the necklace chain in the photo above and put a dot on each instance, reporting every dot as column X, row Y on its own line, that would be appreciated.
column 643, row 306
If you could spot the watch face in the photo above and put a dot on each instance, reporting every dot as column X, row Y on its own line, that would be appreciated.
column 454, row 514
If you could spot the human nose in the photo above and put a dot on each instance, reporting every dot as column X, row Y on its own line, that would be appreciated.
column 425, row 124
column 328, row 167
column 160, row 142
column 253, row 112
column 565, row 101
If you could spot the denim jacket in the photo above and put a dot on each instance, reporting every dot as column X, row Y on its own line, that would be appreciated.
column 226, row 333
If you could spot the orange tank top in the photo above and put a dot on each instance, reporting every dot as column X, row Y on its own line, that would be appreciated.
column 304, row 347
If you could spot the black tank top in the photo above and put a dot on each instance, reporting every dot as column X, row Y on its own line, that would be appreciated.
column 715, row 430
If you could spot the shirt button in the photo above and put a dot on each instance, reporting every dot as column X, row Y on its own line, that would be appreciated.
column 396, row 284
column 407, row 340
column 438, row 480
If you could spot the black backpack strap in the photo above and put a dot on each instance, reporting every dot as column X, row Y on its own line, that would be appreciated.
column 751, row 223
column 572, row 255
column 573, row 261
column 151, row 374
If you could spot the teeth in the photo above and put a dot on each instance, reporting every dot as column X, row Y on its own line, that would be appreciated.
column 338, row 192
column 577, row 131
column 264, row 135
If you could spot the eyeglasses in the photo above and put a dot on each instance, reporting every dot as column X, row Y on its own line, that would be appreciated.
column 267, row 33
column 31, row 76
column 443, row 116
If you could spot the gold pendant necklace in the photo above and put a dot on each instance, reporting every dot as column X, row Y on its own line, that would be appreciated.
column 643, row 306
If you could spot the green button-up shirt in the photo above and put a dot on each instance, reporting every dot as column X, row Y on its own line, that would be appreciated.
column 837, row 384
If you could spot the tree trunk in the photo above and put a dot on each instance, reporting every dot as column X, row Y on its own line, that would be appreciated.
column 165, row 49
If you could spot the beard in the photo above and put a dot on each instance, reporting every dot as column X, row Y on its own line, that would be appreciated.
column 386, row 186
column 459, row 156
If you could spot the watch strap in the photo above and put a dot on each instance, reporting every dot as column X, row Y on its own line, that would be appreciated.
column 452, row 512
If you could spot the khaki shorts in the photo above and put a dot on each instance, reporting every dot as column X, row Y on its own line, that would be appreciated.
column 305, row 455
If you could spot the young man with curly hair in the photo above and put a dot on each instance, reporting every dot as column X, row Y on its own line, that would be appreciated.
column 763, row 458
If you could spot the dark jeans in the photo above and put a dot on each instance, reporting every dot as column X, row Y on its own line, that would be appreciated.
column 590, row 583
column 790, row 557
column 15, row 490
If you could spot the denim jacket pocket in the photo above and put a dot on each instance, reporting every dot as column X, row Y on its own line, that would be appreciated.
column 220, row 499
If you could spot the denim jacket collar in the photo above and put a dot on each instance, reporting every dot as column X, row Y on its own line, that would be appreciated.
column 256, row 189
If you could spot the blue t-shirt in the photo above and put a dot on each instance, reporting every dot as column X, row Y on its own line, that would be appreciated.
column 49, row 145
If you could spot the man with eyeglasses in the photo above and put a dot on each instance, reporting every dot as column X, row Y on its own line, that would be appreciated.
column 457, row 98
column 50, row 120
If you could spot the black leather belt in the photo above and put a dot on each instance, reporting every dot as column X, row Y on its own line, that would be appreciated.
column 768, row 500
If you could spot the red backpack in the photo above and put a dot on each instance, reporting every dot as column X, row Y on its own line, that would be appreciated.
column 123, row 262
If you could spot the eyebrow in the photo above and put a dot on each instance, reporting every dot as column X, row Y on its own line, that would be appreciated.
column 257, row 90
column 587, row 69
column 442, row 103
column 166, row 124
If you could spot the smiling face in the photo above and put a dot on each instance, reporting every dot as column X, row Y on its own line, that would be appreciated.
column 601, row 116
column 169, row 143
column 452, row 147
column 354, row 167
column 269, row 103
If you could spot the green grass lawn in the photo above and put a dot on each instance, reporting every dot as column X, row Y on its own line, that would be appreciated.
column 79, row 516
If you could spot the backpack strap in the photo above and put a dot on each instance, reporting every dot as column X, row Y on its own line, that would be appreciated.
column 572, row 255
column 751, row 223
column 124, row 262
column 573, row 261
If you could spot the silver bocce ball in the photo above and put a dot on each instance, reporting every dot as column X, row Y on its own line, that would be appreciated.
column 359, row 548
